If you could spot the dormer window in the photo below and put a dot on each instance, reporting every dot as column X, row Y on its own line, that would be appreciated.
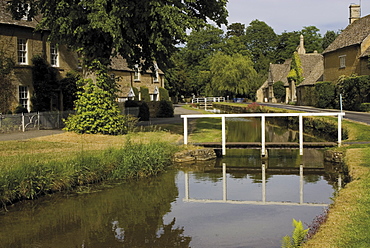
column 342, row 61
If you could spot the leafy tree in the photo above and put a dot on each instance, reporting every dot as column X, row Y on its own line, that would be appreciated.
column 328, row 38
column 232, row 75
column 286, row 46
column 261, row 41
column 235, row 29
column 233, row 45
column 140, row 31
column 7, row 88
column 45, row 84
column 312, row 39
column 68, row 86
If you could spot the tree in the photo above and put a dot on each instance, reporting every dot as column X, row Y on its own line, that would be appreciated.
column 235, row 29
column 140, row 31
column 232, row 75
column 312, row 39
column 7, row 88
column 261, row 41
column 328, row 38
column 286, row 46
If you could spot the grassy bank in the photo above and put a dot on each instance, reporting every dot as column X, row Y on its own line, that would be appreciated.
column 35, row 167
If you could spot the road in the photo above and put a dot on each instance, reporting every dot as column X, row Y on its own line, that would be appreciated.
column 351, row 115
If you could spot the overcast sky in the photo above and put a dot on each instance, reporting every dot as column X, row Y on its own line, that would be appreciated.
column 293, row 15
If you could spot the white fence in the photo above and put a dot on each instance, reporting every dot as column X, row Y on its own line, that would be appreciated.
column 207, row 99
column 32, row 121
column 263, row 124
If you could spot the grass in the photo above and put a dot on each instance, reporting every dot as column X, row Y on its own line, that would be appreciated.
column 43, row 165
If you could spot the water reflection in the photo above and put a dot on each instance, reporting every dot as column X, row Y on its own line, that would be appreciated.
column 128, row 215
column 263, row 201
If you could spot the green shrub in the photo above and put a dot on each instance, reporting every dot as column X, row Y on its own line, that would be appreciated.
column 165, row 109
column 131, row 103
column 145, row 94
column 20, row 109
column 355, row 91
column 137, row 94
column 279, row 91
column 163, row 94
column 325, row 92
column 365, row 107
column 298, row 236
column 144, row 113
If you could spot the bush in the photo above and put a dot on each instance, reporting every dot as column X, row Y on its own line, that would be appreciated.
column 144, row 113
column 165, row 109
column 163, row 94
column 355, row 91
column 325, row 92
column 279, row 91
column 20, row 109
column 137, row 94
column 145, row 94
column 365, row 107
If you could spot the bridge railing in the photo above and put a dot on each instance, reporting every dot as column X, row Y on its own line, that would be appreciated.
column 263, row 125
column 207, row 99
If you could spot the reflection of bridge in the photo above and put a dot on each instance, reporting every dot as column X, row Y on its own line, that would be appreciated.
column 263, row 201
column 263, row 116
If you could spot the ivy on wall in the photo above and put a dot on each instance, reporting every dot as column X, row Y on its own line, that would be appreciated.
column 296, row 72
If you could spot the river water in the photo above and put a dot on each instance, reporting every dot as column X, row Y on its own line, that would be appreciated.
column 240, row 200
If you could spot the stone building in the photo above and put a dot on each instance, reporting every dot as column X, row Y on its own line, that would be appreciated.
column 349, row 52
column 20, row 41
column 312, row 67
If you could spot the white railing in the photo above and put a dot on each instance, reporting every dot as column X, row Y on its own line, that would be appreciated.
column 263, row 124
column 207, row 99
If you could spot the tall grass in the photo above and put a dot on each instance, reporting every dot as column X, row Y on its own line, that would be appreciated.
column 30, row 178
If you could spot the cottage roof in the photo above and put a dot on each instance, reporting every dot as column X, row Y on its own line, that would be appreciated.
column 278, row 72
column 353, row 34
column 6, row 17
column 313, row 68
column 120, row 64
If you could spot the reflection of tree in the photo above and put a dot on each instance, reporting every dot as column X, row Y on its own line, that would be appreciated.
column 137, row 208
column 311, row 178
column 166, row 236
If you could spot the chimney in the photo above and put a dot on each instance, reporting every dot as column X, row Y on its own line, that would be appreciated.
column 354, row 13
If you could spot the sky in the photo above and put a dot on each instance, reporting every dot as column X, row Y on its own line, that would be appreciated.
column 293, row 15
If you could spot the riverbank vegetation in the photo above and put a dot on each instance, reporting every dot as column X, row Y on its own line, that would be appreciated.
column 39, row 166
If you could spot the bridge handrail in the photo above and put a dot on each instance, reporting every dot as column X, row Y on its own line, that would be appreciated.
column 208, row 99
column 263, row 117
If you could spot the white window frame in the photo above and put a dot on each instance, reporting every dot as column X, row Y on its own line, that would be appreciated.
column 23, row 96
column 54, row 55
column 136, row 74
column 342, row 61
column 22, row 50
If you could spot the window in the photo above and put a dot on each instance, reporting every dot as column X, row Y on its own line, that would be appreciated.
column 22, row 51
column 136, row 74
column 23, row 96
column 54, row 55
column 342, row 61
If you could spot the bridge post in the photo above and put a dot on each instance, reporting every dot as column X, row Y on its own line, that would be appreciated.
column 339, row 130
column 301, row 183
column 263, row 137
column 186, row 186
column 263, row 182
column 223, row 120
column 224, row 182
column 300, row 134
column 185, row 130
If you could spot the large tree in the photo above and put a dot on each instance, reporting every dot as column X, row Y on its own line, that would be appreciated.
column 140, row 31
column 261, row 40
column 232, row 75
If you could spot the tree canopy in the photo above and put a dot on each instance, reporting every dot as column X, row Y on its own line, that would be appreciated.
column 140, row 31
